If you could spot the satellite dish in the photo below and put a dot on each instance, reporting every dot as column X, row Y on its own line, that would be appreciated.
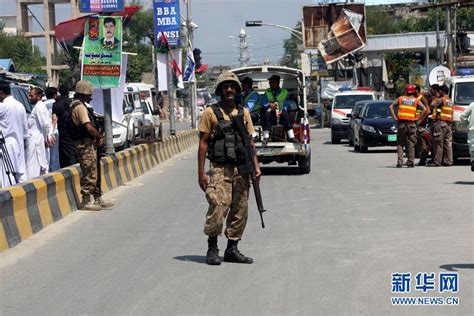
column 438, row 75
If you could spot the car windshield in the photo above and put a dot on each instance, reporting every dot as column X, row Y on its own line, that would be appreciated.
column 464, row 93
column 378, row 111
column 348, row 101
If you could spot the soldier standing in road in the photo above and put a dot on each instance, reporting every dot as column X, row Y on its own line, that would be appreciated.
column 407, row 121
column 86, row 138
column 442, row 132
column 226, row 190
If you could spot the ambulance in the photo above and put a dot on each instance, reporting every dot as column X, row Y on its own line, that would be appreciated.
column 342, row 105
column 461, row 92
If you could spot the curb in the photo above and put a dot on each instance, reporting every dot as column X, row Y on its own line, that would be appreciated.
column 27, row 208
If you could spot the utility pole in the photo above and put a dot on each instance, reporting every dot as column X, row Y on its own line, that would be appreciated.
column 449, row 35
column 439, row 55
column 192, row 83
column 170, row 92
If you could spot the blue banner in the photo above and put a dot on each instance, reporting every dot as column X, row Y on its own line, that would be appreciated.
column 167, row 21
column 101, row 5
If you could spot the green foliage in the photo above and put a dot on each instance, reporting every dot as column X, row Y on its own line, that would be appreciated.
column 140, row 63
column 292, row 48
column 20, row 50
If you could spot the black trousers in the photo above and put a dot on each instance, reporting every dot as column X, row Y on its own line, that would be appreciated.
column 269, row 118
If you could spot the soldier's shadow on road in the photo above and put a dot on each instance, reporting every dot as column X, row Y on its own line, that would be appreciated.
column 455, row 266
column 464, row 182
column 192, row 258
column 279, row 171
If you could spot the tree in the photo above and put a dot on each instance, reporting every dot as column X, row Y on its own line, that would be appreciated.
column 292, row 47
column 27, row 57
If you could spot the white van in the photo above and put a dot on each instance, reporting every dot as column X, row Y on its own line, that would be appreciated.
column 461, row 92
column 342, row 105
column 133, row 116
column 147, row 103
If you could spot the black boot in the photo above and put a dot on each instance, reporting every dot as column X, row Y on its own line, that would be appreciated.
column 212, row 257
column 232, row 254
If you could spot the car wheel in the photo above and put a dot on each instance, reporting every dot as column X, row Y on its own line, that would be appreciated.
column 472, row 166
column 363, row 149
column 335, row 140
column 304, row 164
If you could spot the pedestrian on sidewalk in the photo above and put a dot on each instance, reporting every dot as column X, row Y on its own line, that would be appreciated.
column 226, row 190
column 14, row 132
column 41, row 136
column 67, row 150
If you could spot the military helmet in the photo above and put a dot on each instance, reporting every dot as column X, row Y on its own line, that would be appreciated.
column 84, row 87
column 227, row 76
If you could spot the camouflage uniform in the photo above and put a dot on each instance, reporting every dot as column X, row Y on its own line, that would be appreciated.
column 227, row 194
column 88, row 161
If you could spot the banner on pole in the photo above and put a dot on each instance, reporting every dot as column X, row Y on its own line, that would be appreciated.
column 88, row 6
column 167, row 21
column 102, row 51
column 175, row 64
column 190, row 65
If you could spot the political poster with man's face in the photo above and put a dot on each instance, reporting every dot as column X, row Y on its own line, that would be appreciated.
column 102, row 51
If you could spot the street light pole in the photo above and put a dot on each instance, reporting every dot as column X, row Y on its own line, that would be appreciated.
column 296, row 33
column 192, row 83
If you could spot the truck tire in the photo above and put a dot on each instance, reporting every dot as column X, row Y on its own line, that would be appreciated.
column 304, row 164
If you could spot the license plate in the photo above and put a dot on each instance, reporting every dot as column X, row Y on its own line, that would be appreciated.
column 392, row 138
column 265, row 151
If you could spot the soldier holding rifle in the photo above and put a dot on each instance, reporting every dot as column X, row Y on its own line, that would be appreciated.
column 227, row 187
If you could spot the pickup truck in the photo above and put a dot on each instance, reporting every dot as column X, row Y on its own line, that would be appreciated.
column 279, row 149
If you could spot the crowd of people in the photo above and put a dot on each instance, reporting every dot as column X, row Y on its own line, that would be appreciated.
column 32, row 142
column 58, row 133
column 425, row 119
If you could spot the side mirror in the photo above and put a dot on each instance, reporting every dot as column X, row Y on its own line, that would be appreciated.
column 155, row 112
column 349, row 115
column 128, row 110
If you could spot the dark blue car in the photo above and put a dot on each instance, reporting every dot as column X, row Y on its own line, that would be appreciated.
column 376, row 127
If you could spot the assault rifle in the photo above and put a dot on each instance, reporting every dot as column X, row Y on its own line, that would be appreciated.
column 249, row 166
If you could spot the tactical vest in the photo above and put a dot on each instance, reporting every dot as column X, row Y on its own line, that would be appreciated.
column 280, row 98
column 226, row 144
column 78, row 132
column 257, row 105
column 447, row 110
column 407, row 106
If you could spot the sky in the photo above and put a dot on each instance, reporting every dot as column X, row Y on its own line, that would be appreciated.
column 219, row 19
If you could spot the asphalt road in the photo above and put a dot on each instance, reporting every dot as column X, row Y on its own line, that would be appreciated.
column 332, row 241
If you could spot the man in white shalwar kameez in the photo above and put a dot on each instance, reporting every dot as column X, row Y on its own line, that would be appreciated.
column 14, row 127
column 41, row 136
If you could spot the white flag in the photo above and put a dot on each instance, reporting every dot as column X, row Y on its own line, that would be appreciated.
column 190, row 65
